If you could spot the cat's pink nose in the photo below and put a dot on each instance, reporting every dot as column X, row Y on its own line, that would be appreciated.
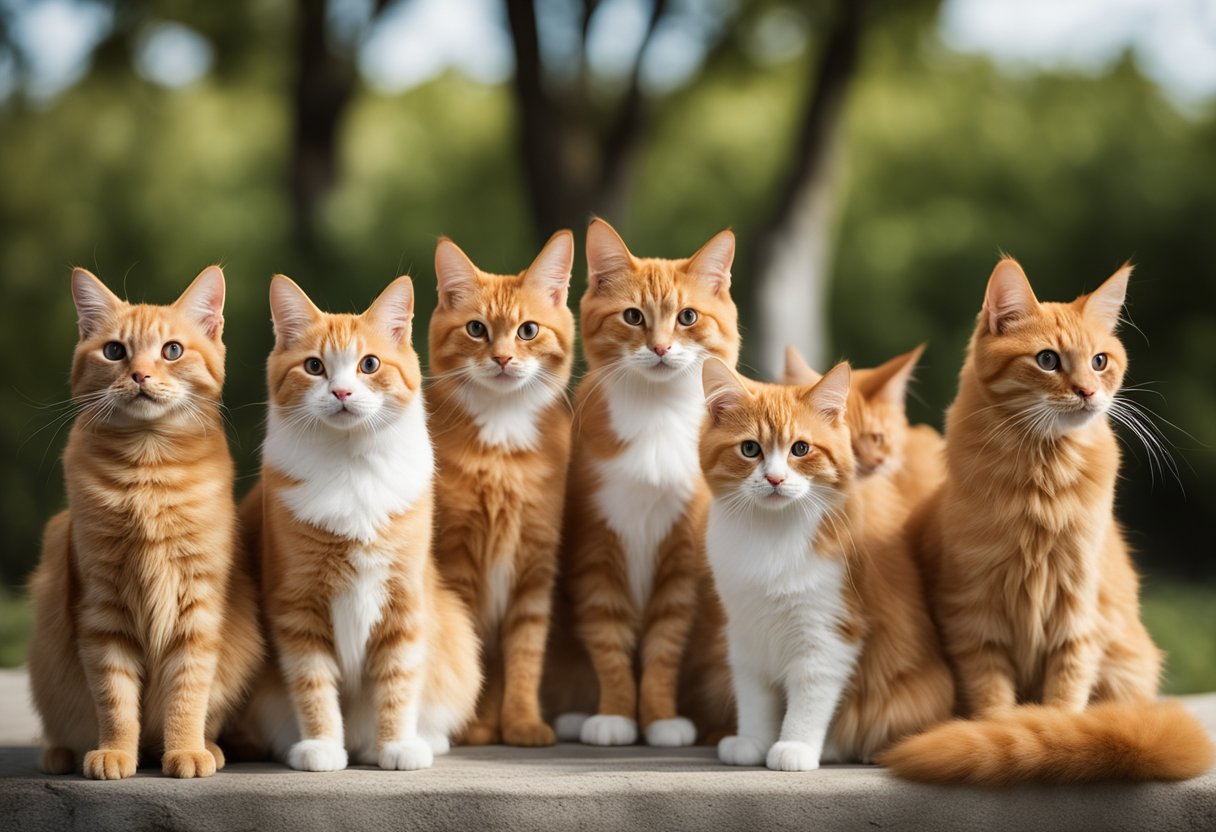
column 1083, row 393
column 774, row 481
column 501, row 360
column 139, row 378
column 661, row 351
column 342, row 395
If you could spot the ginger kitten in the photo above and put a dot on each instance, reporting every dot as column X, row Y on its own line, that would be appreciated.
column 379, row 659
column 501, row 350
column 832, row 652
column 145, row 624
column 1029, row 575
column 632, row 563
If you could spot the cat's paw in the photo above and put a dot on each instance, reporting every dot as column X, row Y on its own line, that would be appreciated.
column 792, row 756
column 607, row 729
column 217, row 753
column 188, row 764
column 676, row 732
column 439, row 744
column 480, row 733
column 406, row 755
column 528, row 734
column 108, row 764
column 569, row 726
column 317, row 755
column 57, row 760
column 741, row 751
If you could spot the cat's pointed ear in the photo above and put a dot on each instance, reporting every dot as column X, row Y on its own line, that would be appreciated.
column 393, row 311
column 94, row 302
column 290, row 309
column 889, row 382
column 1104, row 304
column 831, row 395
column 552, row 267
column 1009, row 296
column 455, row 272
column 203, row 301
column 713, row 260
column 607, row 254
column 797, row 371
column 724, row 391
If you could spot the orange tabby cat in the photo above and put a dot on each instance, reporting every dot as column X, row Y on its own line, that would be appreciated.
column 1030, row 579
column 379, row 658
column 145, row 625
column 501, row 350
column 632, row 559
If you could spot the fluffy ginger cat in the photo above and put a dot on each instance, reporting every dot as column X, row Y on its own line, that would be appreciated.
column 837, row 635
column 632, row 564
column 145, row 623
column 379, row 658
column 501, row 350
column 1029, row 575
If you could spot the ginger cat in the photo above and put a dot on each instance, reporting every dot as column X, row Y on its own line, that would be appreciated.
column 632, row 561
column 1029, row 575
column 379, row 659
column 817, row 623
column 145, row 623
column 501, row 351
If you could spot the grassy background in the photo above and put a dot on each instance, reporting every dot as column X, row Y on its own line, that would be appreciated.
column 1181, row 617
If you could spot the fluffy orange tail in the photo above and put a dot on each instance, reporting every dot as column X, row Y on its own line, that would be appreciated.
column 1112, row 741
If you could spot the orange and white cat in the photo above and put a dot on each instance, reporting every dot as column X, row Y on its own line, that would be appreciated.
column 832, row 652
column 501, row 347
column 378, row 658
column 145, row 622
column 632, row 560
column 1030, row 579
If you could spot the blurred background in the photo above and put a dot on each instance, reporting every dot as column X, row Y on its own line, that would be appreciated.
column 874, row 157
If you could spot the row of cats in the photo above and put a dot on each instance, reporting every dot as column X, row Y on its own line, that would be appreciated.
column 677, row 555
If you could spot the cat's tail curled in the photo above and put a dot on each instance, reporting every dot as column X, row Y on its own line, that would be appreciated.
column 1109, row 741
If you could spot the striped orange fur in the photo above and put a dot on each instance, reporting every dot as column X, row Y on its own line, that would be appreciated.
column 145, row 625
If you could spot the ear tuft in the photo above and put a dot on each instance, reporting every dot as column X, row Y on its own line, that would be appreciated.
column 724, row 391
column 1104, row 304
column 831, row 395
column 393, row 310
column 552, row 268
column 797, row 371
column 94, row 302
column 713, row 260
column 1009, row 297
column 203, row 301
column 607, row 254
column 291, row 310
column 455, row 272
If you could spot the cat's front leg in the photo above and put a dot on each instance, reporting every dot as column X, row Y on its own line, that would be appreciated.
column 759, row 708
column 812, row 693
column 985, row 677
column 1072, row 670
column 668, row 621
column 311, row 673
column 396, row 657
column 525, row 630
column 113, row 667
column 187, row 690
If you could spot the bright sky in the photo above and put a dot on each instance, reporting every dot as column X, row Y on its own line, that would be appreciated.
column 1174, row 41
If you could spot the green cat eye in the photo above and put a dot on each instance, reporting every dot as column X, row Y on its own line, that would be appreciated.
column 1099, row 362
column 369, row 364
column 687, row 317
column 528, row 330
column 475, row 328
column 171, row 351
column 1048, row 360
column 114, row 351
column 313, row 366
column 800, row 448
column 633, row 316
column 750, row 448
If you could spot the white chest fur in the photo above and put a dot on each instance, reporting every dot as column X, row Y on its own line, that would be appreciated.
column 645, row 489
column 351, row 483
column 507, row 420
column 357, row 609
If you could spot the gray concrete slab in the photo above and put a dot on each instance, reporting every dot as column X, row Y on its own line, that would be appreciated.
column 572, row 787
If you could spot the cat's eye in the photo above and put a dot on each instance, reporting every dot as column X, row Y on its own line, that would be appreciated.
column 633, row 316
column 171, row 351
column 800, row 448
column 687, row 317
column 528, row 330
column 313, row 366
column 1048, row 360
column 1099, row 362
column 750, row 448
column 114, row 351
column 369, row 364
column 878, row 438
column 475, row 328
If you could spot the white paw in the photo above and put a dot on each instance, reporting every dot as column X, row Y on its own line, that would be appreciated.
column 569, row 727
column 741, row 751
column 406, row 755
column 439, row 744
column 676, row 732
column 317, row 755
column 792, row 756
column 602, row 729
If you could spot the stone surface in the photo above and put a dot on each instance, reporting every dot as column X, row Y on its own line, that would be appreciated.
column 567, row 787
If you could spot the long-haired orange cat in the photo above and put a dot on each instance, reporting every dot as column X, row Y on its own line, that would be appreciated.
column 379, row 659
column 145, row 624
column 1030, row 578
column 501, row 350
column 632, row 557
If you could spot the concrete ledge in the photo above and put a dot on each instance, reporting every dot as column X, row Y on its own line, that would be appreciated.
column 575, row 787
